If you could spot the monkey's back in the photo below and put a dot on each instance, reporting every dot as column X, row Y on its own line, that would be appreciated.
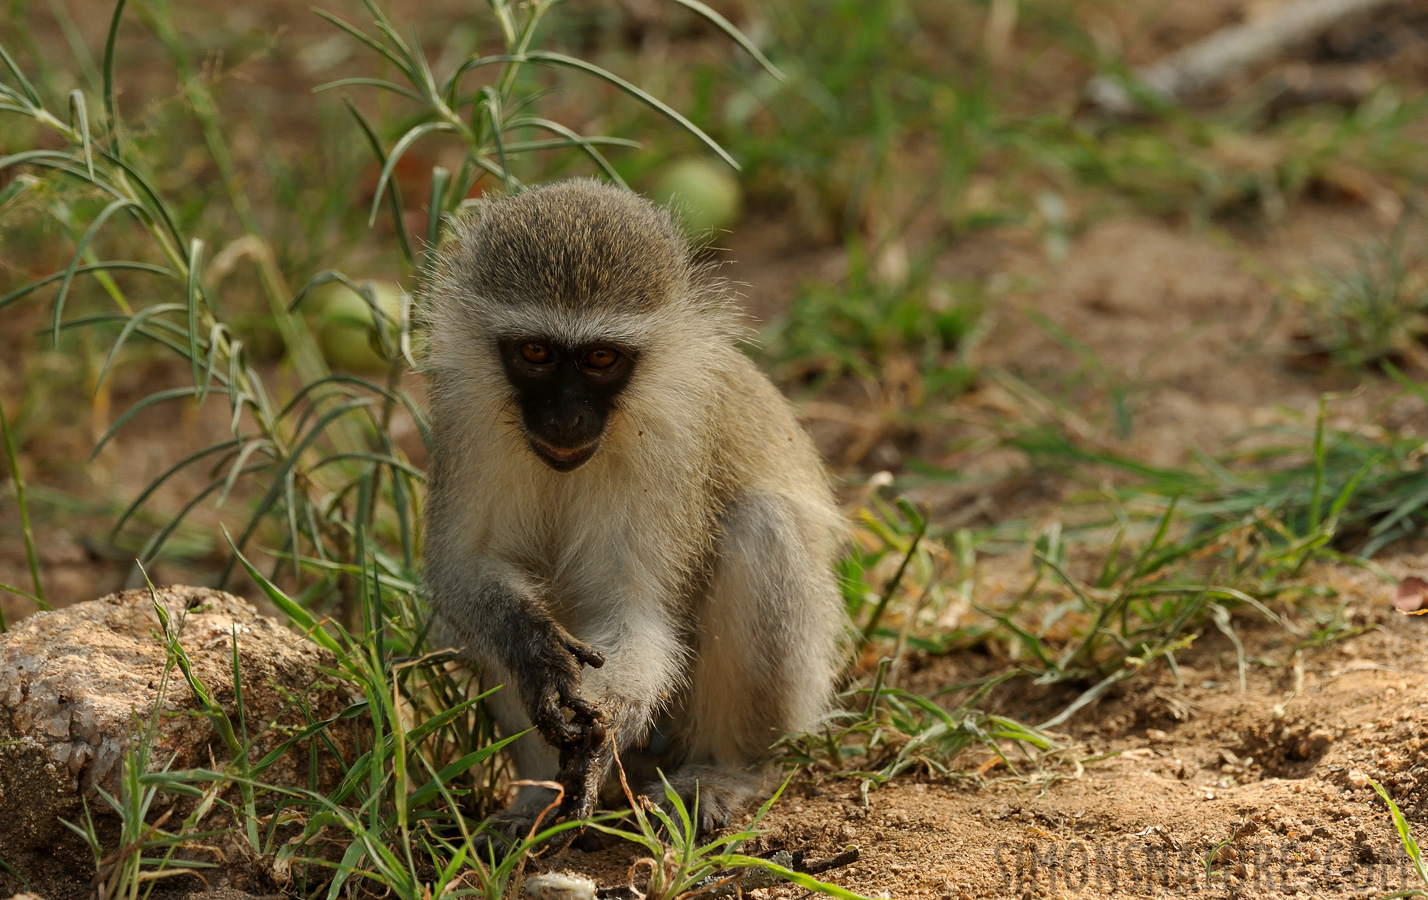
column 770, row 450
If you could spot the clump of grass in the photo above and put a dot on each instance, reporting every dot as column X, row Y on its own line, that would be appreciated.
column 394, row 823
column 865, row 323
column 1130, row 603
column 896, row 731
column 1376, row 313
column 1325, row 489
column 678, row 865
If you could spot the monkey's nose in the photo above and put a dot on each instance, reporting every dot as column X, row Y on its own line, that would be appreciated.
column 568, row 426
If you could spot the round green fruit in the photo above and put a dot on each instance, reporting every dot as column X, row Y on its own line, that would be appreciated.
column 347, row 329
column 703, row 195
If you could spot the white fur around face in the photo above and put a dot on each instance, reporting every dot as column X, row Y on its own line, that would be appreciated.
column 584, row 530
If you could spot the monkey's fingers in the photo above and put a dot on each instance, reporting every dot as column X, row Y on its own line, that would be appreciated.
column 590, row 718
column 550, row 720
column 584, row 652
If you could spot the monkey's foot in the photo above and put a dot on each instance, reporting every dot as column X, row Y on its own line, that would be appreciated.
column 721, row 794
column 501, row 834
column 510, row 829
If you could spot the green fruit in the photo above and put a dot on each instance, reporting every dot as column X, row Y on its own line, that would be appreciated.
column 346, row 328
column 703, row 195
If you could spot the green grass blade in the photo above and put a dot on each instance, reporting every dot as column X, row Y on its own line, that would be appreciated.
column 560, row 59
column 1405, row 835
column 192, row 290
column 346, row 868
column 300, row 616
column 134, row 323
column 394, row 197
column 808, row 882
column 422, row 795
column 33, row 286
column 74, row 262
column 79, row 121
column 1317, row 497
column 17, row 478
column 109, row 41
column 379, row 83
column 389, row 163
column 155, row 208
column 450, row 91
column 371, row 42
column 19, row 75
column 491, row 100
column 436, row 207
column 588, row 145
column 378, row 459
column 735, row 34
column 310, row 730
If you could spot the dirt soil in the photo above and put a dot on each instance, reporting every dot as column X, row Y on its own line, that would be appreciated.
column 1270, row 780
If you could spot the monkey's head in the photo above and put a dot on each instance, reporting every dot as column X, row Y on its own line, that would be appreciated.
column 574, row 289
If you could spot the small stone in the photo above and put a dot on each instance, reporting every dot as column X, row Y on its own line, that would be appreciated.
column 558, row 886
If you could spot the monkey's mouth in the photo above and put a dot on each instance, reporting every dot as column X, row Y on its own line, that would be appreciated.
column 563, row 459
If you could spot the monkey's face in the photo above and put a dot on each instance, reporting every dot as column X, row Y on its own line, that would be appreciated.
column 565, row 394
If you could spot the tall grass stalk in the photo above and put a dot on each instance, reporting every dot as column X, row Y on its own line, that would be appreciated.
column 17, row 478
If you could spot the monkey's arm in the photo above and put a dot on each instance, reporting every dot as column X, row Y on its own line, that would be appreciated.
column 497, row 623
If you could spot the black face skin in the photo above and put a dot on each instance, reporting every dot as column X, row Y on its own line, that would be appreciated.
column 565, row 394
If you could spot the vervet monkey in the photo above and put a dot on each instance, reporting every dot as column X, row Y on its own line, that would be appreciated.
column 627, row 526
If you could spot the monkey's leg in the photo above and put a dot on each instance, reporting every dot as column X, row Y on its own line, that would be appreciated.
column 766, row 654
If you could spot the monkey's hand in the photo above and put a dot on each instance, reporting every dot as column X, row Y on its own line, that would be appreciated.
column 553, row 686
column 581, row 735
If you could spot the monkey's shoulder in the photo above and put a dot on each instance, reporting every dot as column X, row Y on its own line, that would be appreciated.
column 769, row 446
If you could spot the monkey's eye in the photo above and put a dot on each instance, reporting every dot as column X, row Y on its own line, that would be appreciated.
column 601, row 358
column 536, row 354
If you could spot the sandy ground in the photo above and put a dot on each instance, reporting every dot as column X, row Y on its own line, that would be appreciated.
column 1269, row 782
